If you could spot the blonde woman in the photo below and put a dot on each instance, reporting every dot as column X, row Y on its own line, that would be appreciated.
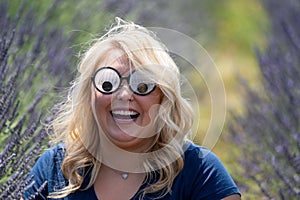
column 121, row 133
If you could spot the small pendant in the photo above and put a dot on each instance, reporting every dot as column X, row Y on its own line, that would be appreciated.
column 124, row 176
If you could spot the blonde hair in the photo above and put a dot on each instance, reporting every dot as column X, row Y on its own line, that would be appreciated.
column 76, row 126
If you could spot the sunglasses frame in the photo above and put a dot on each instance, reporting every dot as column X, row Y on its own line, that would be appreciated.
column 127, row 78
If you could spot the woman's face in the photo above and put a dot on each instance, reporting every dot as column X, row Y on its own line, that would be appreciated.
column 127, row 119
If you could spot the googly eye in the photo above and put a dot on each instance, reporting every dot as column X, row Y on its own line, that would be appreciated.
column 107, row 86
column 106, row 80
column 142, row 88
column 140, row 84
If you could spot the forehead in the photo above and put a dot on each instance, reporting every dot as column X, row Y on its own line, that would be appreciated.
column 122, row 67
column 118, row 61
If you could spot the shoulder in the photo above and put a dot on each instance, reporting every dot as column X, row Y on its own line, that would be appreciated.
column 49, row 163
column 203, row 162
column 200, row 164
column 204, row 175
column 56, row 152
column 199, row 156
column 46, row 174
column 51, row 156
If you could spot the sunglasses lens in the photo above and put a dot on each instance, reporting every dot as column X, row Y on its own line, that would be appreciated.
column 107, row 80
column 140, row 84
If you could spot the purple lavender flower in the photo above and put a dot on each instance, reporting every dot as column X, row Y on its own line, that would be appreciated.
column 29, row 51
column 269, row 132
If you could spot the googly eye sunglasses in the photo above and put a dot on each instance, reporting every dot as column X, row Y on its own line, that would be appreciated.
column 107, row 80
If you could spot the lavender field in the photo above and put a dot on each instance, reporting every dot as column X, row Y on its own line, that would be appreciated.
column 257, row 45
column 268, row 134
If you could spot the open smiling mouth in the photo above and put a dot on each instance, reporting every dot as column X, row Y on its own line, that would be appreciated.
column 124, row 115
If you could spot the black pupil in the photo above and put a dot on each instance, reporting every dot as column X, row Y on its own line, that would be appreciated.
column 107, row 86
column 142, row 88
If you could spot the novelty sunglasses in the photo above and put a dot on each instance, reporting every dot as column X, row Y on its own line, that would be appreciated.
column 108, row 80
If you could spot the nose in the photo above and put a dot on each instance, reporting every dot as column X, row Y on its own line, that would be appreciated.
column 124, row 93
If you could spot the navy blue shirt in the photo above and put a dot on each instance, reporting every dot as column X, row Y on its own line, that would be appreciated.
column 202, row 177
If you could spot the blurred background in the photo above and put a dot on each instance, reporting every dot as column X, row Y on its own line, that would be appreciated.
column 249, row 41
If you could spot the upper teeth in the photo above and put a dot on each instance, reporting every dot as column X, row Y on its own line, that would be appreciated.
column 124, row 112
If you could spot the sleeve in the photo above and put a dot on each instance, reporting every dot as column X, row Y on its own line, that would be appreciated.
column 37, row 187
column 210, row 179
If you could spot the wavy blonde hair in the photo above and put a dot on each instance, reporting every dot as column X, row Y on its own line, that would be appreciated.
column 76, row 126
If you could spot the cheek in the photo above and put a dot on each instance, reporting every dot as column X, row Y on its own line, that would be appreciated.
column 102, row 105
column 151, row 105
column 102, row 102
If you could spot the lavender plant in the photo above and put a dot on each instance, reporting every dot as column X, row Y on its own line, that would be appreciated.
column 34, row 61
column 268, row 135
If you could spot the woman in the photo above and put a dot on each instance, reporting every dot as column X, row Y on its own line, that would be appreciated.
column 123, row 130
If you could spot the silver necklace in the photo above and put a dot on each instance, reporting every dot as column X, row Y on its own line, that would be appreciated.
column 124, row 175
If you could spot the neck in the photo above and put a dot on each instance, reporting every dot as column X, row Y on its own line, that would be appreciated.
column 123, row 175
column 144, row 146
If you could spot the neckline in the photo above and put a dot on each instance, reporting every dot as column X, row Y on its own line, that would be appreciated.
column 132, row 198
